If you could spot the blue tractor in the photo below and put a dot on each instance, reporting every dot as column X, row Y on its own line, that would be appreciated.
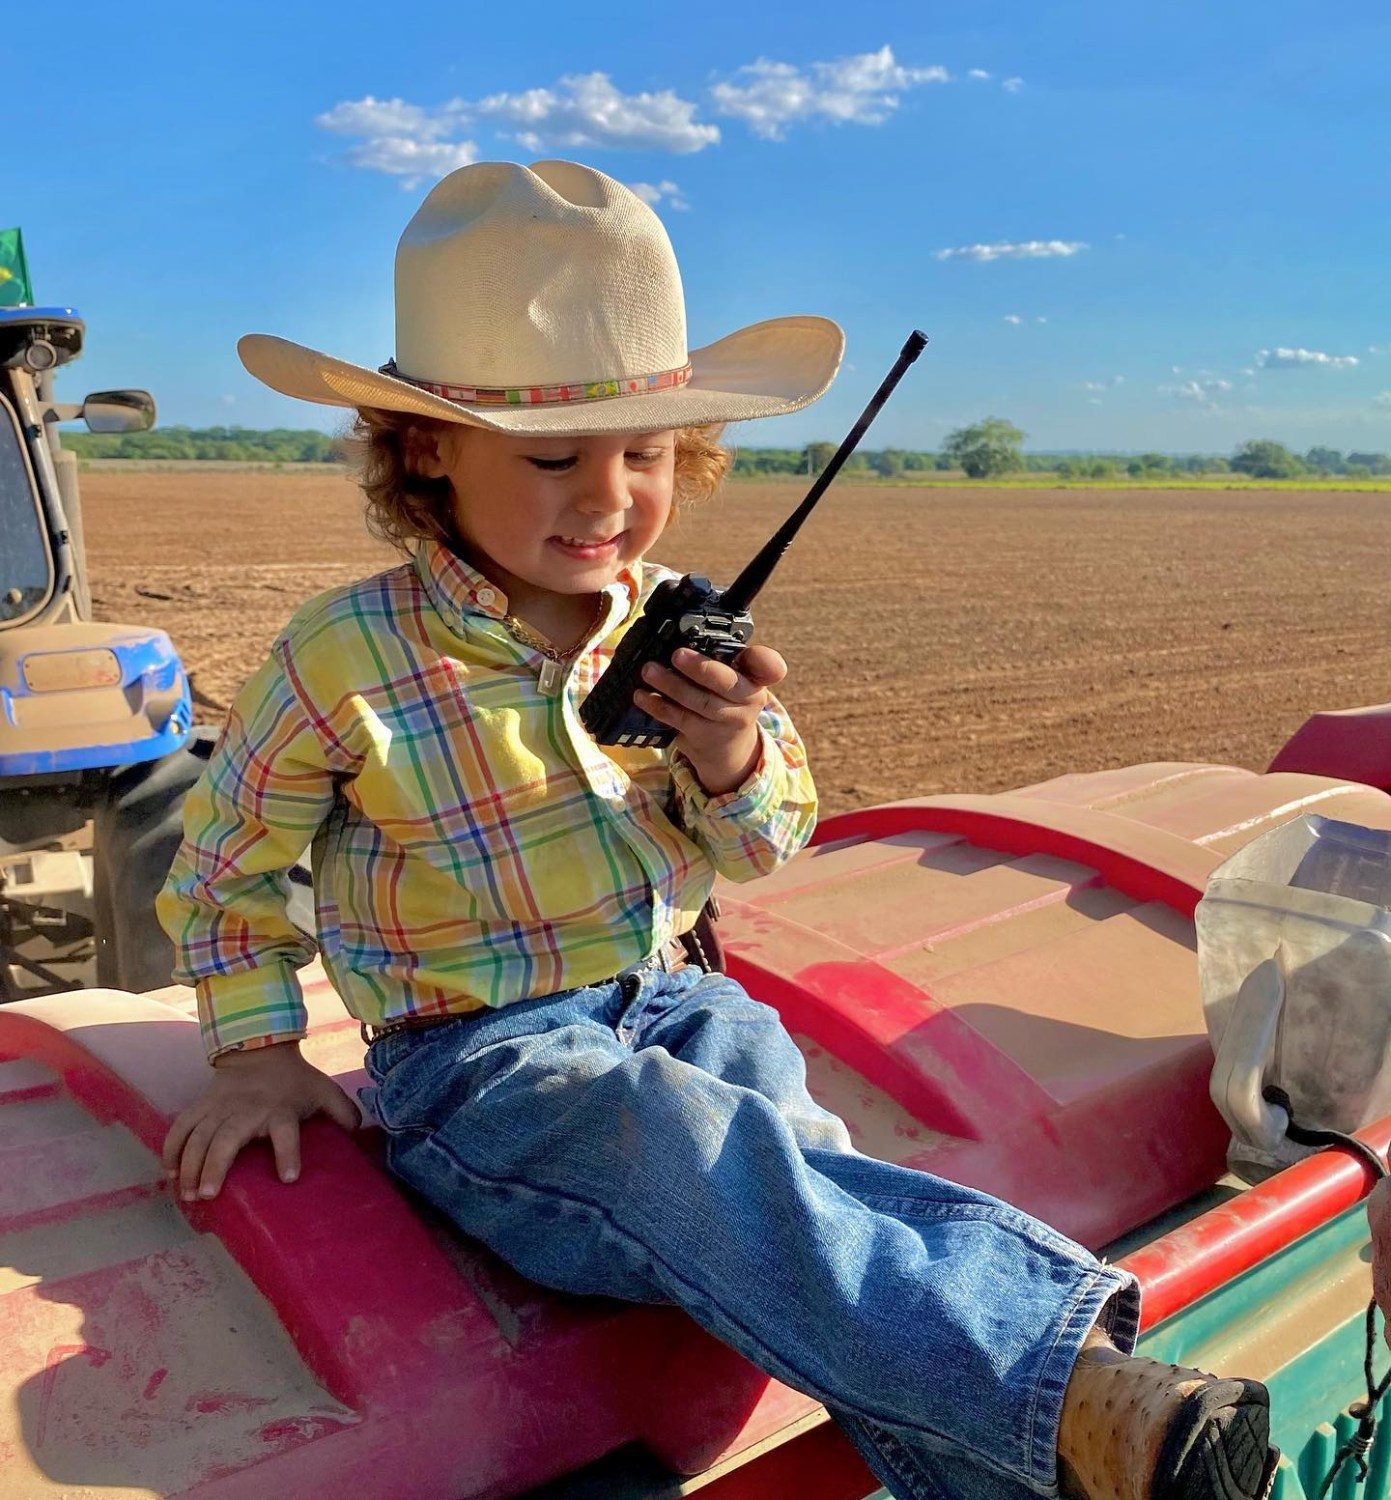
column 97, row 745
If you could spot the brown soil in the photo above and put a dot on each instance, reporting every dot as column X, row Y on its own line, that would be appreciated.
column 966, row 640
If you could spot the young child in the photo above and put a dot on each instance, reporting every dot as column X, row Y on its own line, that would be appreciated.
column 497, row 897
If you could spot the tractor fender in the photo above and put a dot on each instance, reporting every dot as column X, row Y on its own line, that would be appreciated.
column 1350, row 744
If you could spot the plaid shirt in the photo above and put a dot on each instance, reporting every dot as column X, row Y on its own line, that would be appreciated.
column 471, row 844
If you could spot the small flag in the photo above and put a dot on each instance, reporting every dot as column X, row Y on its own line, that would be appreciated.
column 15, row 290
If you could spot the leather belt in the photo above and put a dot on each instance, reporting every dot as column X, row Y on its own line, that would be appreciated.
column 670, row 958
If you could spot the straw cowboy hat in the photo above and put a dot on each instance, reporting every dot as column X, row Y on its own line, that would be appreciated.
column 546, row 299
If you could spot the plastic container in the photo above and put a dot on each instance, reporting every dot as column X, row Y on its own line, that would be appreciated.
column 1294, row 962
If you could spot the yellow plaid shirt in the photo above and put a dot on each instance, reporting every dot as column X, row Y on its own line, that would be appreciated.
column 471, row 845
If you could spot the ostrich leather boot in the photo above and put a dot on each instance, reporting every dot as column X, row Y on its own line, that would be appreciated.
column 1135, row 1429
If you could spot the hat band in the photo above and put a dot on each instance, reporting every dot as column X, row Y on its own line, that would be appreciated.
column 547, row 395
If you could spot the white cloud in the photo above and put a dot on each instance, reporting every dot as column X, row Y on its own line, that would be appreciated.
column 1013, row 318
column 1012, row 85
column 653, row 193
column 229, row 400
column 582, row 110
column 585, row 109
column 1379, row 348
column 1382, row 398
column 979, row 74
column 1293, row 359
column 413, row 161
column 1103, row 385
column 1040, row 319
column 380, row 117
column 1021, row 250
column 1201, row 391
column 403, row 140
column 862, row 89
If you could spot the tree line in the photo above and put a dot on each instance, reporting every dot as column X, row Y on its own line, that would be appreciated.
column 981, row 451
column 280, row 445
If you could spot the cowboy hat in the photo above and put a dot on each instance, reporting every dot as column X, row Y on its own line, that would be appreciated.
column 546, row 299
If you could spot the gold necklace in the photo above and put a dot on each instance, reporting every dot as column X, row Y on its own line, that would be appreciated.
column 552, row 673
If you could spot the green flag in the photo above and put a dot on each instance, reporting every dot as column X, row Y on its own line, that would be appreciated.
column 15, row 290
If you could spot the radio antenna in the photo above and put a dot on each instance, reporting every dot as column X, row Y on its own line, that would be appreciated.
column 741, row 593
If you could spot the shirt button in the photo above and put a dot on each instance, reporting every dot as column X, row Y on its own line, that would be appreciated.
column 485, row 597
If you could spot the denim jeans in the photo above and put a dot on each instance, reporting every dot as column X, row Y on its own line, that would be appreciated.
column 652, row 1139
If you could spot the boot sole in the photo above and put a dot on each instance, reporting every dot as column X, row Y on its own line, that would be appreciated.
column 1219, row 1446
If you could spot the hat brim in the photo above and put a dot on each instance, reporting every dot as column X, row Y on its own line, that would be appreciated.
column 764, row 370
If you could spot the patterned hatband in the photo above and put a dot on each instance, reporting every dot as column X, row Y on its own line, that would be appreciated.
column 547, row 395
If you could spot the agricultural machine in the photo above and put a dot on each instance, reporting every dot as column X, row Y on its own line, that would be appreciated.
column 96, row 741
column 1001, row 989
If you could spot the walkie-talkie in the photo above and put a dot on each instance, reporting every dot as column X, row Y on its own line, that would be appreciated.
column 692, row 612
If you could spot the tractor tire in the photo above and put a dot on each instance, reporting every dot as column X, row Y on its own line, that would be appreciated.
column 137, row 829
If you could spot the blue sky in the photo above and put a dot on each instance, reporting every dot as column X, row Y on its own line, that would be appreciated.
column 1122, row 225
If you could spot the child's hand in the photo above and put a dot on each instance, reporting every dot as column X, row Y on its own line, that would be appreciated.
column 263, row 1092
column 714, row 710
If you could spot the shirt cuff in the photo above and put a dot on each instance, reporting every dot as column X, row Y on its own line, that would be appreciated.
column 752, row 803
column 253, row 1008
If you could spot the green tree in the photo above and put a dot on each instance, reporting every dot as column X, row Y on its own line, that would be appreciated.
column 889, row 463
column 1325, row 460
column 985, row 449
column 1263, row 459
column 817, row 455
column 1374, row 463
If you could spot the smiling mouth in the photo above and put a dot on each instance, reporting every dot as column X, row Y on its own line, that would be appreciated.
column 586, row 543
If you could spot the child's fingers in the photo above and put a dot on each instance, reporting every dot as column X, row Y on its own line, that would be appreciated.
column 284, row 1142
column 763, row 666
column 195, row 1148
column 663, row 709
column 712, row 688
column 700, row 701
column 231, row 1136
column 179, row 1132
column 338, row 1105
column 716, row 677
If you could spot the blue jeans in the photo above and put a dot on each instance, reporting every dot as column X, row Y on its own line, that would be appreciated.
column 652, row 1139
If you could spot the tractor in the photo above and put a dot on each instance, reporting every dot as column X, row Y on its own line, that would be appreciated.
column 97, row 745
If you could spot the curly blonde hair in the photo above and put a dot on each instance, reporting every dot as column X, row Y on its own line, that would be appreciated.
column 403, row 504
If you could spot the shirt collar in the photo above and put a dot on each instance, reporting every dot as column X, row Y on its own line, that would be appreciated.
column 457, row 589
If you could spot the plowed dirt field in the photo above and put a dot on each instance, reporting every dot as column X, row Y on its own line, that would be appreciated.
column 968, row 640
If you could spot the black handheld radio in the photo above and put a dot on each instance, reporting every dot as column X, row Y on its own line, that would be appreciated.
column 692, row 612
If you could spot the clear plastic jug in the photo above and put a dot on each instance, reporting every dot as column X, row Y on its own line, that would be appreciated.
column 1294, row 960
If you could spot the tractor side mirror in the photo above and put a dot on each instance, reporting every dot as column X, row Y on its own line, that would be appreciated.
column 119, row 411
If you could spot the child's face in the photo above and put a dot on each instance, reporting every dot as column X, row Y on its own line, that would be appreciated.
column 562, row 515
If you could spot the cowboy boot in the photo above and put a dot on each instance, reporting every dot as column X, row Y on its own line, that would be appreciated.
column 1135, row 1429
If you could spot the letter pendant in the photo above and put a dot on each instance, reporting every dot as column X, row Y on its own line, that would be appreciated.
column 552, row 675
